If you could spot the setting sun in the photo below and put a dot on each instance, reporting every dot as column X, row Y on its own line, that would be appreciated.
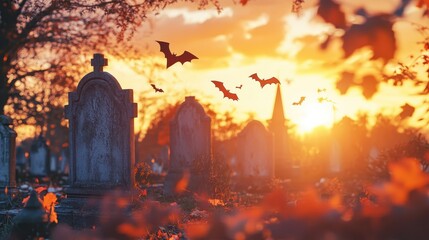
column 315, row 114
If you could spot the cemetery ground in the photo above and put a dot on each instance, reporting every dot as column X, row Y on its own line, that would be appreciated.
column 339, row 207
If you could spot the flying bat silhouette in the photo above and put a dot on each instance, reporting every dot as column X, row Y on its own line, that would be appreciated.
column 226, row 93
column 299, row 102
column 264, row 82
column 157, row 89
column 172, row 58
column 319, row 90
column 288, row 81
column 239, row 87
column 325, row 99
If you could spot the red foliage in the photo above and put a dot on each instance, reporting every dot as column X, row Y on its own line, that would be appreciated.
column 376, row 33
column 243, row 2
column 331, row 13
column 407, row 111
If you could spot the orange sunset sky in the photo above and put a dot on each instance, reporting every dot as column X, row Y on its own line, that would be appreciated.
column 265, row 37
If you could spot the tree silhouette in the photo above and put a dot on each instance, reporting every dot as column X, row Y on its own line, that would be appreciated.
column 43, row 43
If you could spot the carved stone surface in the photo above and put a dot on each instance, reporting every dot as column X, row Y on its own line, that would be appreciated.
column 190, row 146
column 21, row 160
column 101, row 125
column 7, row 153
column 255, row 151
column 101, row 144
column 7, row 161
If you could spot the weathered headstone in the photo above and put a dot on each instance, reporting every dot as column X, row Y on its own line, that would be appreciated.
column 101, row 140
column 39, row 158
column 255, row 151
column 190, row 147
column 21, row 159
column 7, row 154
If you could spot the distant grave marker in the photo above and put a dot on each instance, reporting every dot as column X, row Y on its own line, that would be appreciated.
column 255, row 151
column 39, row 158
column 190, row 147
column 21, row 159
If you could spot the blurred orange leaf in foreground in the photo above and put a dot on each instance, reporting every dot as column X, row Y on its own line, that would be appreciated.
column 406, row 176
column 182, row 184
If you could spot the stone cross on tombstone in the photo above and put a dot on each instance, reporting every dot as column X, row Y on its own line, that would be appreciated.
column 98, row 62
column 7, row 154
column 190, row 147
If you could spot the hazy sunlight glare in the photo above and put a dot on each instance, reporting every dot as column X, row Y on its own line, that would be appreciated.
column 314, row 114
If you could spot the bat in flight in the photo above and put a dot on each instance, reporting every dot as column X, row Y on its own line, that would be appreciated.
column 325, row 99
column 172, row 58
column 299, row 102
column 226, row 92
column 264, row 82
column 239, row 87
column 157, row 89
column 319, row 90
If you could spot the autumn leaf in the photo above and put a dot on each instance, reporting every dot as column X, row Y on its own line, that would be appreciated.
column 312, row 206
column 132, row 230
column 243, row 2
column 375, row 33
column 406, row 176
column 408, row 173
column 423, row 3
column 48, row 200
column 407, row 111
column 182, row 184
column 331, row 12
column 53, row 217
column 25, row 200
column 369, row 86
column 345, row 82
column 39, row 190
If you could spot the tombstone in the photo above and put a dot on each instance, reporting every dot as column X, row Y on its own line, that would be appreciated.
column 7, row 155
column 255, row 151
column 101, row 141
column 190, row 147
column 21, row 160
column 53, row 164
column 39, row 158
